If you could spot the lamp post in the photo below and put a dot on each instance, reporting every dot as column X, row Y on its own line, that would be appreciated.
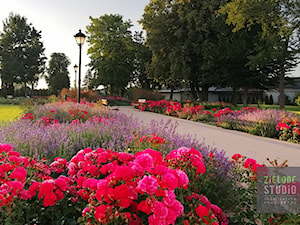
column 75, row 69
column 79, row 37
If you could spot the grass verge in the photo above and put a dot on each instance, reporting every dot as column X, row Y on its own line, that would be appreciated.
column 9, row 113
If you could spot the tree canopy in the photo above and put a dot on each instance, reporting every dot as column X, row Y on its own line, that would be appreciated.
column 111, row 52
column 240, row 44
column 57, row 72
column 183, row 36
column 22, row 58
column 277, row 51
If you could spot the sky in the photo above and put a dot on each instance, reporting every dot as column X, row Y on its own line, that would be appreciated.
column 60, row 20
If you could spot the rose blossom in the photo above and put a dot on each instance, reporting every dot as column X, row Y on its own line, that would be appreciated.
column 148, row 184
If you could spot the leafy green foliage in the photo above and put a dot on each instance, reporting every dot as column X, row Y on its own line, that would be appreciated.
column 183, row 37
column 111, row 52
column 143, row 55
column 58, row 74
column 277, row 51
column 21, row 53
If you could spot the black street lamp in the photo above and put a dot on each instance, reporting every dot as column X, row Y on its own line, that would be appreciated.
column 79, row 37
column 75, row 69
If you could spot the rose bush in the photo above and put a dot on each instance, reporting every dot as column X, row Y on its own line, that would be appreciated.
column 114, row 187
column 106, row 187
column 289, row 129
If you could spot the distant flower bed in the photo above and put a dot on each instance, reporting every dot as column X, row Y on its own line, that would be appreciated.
column 266, row 122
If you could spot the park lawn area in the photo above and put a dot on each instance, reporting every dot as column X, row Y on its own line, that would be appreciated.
column 290, row 108
column 9, row 113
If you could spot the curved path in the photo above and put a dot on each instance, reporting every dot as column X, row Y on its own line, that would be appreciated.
column 259, row 148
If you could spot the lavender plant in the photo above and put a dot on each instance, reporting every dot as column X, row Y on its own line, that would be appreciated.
column 110, row 130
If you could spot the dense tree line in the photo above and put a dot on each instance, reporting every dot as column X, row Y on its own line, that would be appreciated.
column 22, row 58
column 23, row 61
column 197, row 44
column 242, row 44
column 188, row 43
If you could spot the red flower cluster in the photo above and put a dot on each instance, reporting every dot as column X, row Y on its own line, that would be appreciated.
column 79, row 114
column 193, row 110
column 14, row 183
column 222, row 112
column 248, row 164
column 173, row 108
column 28, row 116
column 208, row 213
column 289, row 129
column 130, row 184
column 116, row 187
column 154, row 139
column 44, row 121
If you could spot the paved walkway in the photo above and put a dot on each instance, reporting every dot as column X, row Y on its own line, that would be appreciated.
column 259, row 148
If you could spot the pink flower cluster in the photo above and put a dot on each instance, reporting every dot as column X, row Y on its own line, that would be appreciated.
column 115, row 186
column 130, row 184
column 186, row 159
column 15, row 183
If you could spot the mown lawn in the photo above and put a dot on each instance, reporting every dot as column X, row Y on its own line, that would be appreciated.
column 9, row 113
column 290, row 108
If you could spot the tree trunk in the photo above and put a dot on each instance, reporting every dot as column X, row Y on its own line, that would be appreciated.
column 204, row 93
column 32, row 89
column 281, row 87
column 234, row 97
column 245, row 97
column 171, row 93
column 4, row 89
column 193, row 91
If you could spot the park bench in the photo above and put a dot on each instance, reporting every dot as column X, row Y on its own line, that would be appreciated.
column 104, row 102
column 139, row 102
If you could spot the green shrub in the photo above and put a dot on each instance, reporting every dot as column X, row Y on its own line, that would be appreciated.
column 297, row 100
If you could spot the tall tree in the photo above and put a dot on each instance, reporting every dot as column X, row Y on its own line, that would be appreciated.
column 182, row 35
column 231, row 61
column 111, row 52
column 22, row 58
column 143, row 55
column 57, row 72
column 278, row 50
column 160, row 22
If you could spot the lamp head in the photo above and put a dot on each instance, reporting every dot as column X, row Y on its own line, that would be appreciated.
column 80, row 37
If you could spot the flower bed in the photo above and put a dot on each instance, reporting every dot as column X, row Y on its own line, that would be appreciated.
column 103, row 186
column 265, row 122
column 62, row 129
column 81, row 164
